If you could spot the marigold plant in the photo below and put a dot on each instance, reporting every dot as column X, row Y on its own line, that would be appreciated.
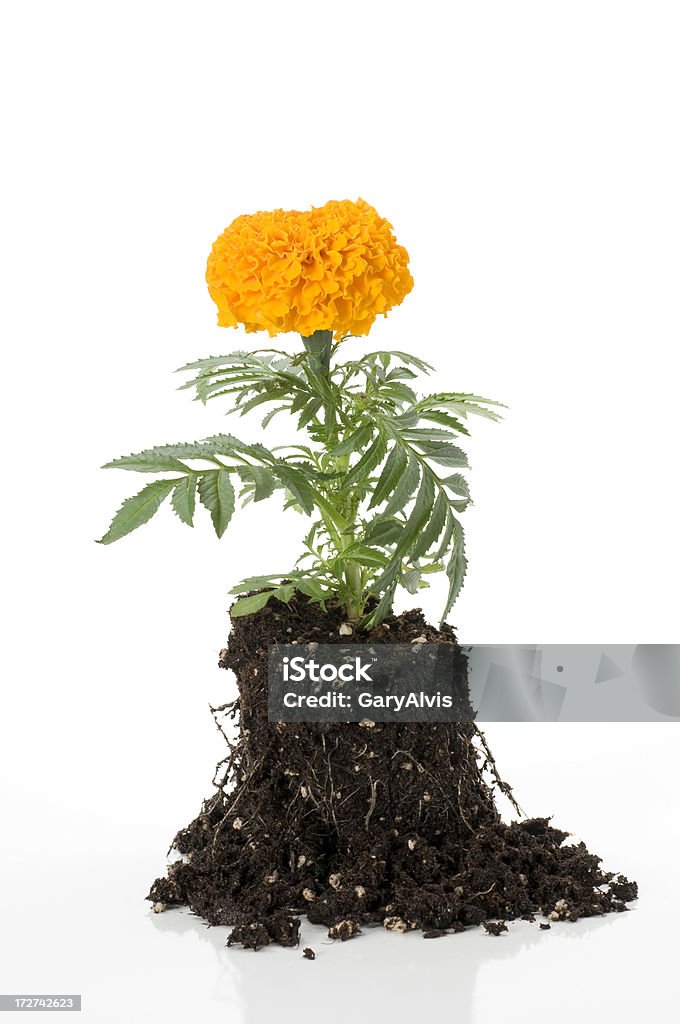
column 379, row 475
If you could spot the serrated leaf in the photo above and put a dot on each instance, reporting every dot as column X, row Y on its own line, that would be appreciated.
column 266, row 420
column 390, row 475
column 184, row 499
column 405, row 487
column 443, row 454
column 136, row 511
column 262, row 478
column 216, row 492
column 371, row 458
column 410, row 580
column 456, row 568
column 457, row 483
column 401, row 373
column 268, row 395
column 382, row 532
column 212, row 362
column 152, row 460
column 418, row 517
column 463, row 404
column 460, row 504
column 258, row 582
column 312, row 588
column 445, row 419
column 426, row 434
column 251, row 604
column 309, row 412
column 355, row 442
column 363, row 555
column 433, row 529
column 297, row 484
column 227, row 444
column 445, row 539
column 385, row 586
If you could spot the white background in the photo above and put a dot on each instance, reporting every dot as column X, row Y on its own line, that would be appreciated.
column 527, row 154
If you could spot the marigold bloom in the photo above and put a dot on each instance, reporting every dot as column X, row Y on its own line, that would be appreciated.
column 334, row 267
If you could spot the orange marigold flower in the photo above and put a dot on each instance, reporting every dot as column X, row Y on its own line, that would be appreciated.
column 334, row 267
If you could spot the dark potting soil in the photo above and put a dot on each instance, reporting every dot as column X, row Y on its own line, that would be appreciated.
column 365, row 824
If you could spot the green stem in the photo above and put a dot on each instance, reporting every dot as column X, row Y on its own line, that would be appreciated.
column 341, row 531
column 319, row 345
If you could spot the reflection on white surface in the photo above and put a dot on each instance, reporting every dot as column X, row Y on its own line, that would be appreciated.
column 366, row 975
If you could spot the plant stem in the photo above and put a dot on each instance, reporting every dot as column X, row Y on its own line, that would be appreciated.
column 319, row 346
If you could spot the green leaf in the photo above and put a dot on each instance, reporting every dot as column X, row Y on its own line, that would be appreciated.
column 401, row 373
column 419, row 515
column 426, row 434
column 250, row 605
column 285, row 592
column 312, row 588
column 297, row 484
column 371, row 458
column 405, row 487
column 390, row 476
column 216, row 492
column 444, row 454
column 266, row 420
column 446, row 420
column 227, row 444
column 138, row 510
column 444, row 540
column 456, row 568
column 355, row 442
column 463, row 404
column 258, row 582
column 410, row 580
column 262, row 479
column 153, row 460
column 213, row 362
column 309, row 412
column 385, row 586
column 434, row 527
column 457, row 483
column 363, row 555
column 268, row 395
column 184, row 499
column 383, row 531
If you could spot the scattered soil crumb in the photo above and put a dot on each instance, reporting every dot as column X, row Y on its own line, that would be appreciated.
column 344, row 930
column 495, row 927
